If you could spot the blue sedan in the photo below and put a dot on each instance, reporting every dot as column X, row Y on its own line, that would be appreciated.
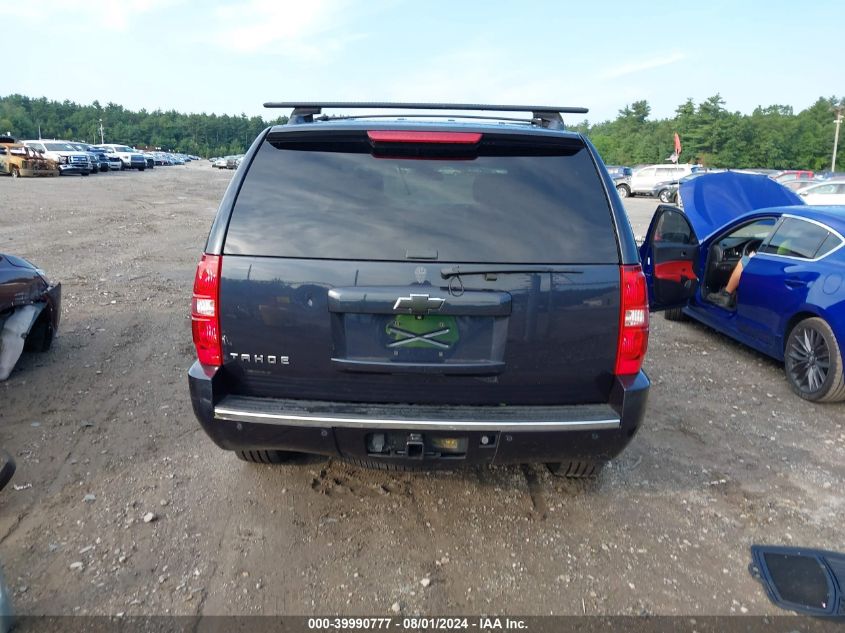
column 790, row 300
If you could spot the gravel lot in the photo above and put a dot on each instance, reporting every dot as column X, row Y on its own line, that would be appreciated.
column 103, row 433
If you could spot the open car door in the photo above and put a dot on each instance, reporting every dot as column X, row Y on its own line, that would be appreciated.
column 670, row 259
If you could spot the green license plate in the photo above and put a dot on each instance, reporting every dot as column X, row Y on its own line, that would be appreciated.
column 422, row 332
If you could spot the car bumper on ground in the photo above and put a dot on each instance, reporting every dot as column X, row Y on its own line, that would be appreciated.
column 420, row 435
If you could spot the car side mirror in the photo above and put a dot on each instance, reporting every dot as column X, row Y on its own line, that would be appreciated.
column 803, row 580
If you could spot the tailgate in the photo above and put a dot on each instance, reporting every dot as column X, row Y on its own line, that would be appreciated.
column 533, row 337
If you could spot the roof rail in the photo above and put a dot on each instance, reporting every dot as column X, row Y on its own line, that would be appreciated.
column 545, row 116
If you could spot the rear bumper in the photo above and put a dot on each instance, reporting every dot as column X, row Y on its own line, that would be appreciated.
column 490, row 435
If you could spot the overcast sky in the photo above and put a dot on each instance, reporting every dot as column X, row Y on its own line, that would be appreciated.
column 229, row 56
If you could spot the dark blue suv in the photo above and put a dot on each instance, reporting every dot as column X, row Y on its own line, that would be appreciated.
column 421, row 292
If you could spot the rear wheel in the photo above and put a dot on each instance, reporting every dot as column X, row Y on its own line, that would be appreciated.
column 675, row 314
column 265, row 456
column 576, row 470
column 16, row 173
column 623, row 190
column 813, row 362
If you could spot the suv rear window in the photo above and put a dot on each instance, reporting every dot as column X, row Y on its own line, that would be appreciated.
column 509, row 202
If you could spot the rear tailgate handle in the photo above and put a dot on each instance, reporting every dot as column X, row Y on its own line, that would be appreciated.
column 419, row 300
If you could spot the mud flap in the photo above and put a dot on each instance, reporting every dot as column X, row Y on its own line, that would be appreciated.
column 13, row 336
column 807, row 581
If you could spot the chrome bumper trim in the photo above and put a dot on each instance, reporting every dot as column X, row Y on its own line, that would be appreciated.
column 249, row 414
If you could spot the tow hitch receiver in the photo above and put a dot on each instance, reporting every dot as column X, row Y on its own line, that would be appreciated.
column 415, row 447
column 419, row 446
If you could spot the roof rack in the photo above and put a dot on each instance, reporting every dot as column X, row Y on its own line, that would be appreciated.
column 544, row 116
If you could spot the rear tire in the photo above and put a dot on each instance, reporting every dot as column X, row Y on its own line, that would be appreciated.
column 576, row 470
column 624, row 191
column 16, row 173
column 675, row 314
column 265, row 456
column 813, row 362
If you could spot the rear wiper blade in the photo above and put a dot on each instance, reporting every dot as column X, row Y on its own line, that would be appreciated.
column 457, row 271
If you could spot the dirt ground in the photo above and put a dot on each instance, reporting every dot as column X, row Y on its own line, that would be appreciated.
column 103, row 432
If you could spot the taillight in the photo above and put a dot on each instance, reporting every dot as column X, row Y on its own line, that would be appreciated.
column 633, row 321
column 205, row 317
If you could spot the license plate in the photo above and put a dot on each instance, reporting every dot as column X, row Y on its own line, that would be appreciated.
column 406, row 331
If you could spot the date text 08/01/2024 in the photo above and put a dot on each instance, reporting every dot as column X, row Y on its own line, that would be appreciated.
column 416, row 624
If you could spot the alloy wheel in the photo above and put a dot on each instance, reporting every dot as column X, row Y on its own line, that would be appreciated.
column 808, row 359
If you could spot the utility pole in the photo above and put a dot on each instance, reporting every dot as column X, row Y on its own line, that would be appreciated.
column 102, row 139
column 838, row 121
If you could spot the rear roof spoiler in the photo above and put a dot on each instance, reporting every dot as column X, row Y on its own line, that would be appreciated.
column 544, row 116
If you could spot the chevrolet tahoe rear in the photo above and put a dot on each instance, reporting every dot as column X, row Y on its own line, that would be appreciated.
column 421, row 294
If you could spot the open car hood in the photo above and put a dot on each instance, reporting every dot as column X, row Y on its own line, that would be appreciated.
column 712, row 201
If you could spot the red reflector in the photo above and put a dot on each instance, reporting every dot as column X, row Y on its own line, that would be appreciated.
column 633, row 321
column 205, row 316
column 401, row 136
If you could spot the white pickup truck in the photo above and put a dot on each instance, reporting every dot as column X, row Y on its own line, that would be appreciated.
column 131, row 158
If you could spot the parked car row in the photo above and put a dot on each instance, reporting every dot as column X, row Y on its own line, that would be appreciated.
column 227, row 162
column 653, row 180
column 823, row 192
column 663, row 181
column 50, row 157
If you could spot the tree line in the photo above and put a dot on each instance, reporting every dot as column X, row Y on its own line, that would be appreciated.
column 772, row 137
column 200, row 134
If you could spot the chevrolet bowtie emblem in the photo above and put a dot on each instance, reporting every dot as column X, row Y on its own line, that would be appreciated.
column 418, row 304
